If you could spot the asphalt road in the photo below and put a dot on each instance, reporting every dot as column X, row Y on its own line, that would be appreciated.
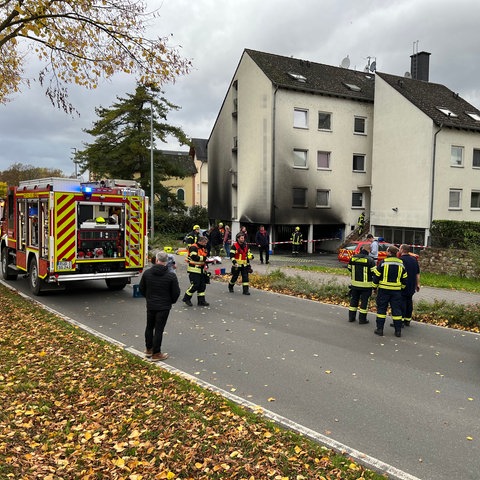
column 413, row 402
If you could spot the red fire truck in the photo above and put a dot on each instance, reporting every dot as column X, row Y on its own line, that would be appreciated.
column 57, row 230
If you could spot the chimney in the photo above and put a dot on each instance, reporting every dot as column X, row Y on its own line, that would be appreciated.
column 420, row 65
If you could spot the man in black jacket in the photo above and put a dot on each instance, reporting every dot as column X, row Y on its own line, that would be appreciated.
column 160, row 288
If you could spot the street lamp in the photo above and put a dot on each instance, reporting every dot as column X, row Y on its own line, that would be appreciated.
column 152, row 198
column 74, row 152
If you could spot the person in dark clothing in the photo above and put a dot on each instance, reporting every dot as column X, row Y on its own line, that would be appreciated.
column 262, row 239
column 216, row 240
column 413, row 283
column 361, row 268
column 160, row 288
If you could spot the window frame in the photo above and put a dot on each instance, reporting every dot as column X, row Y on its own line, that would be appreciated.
column 362, row 197
column 452, row 191
column 358, row 132
column 329, row 159
column 295, row 156
column 364, row 157
column 322, row 205
column 304, row 124
column 299, row 189
column 477, row 192
column 462, row 150
column 478, row 158
column 329, row 116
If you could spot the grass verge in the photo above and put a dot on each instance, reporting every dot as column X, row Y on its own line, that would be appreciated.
column 75, row 407
column 462, row 317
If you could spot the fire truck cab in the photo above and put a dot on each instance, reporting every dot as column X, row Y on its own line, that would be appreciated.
column 57, row 230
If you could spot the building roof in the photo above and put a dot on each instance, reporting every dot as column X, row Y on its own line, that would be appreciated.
column 304, row 75
column 436, row 101
column 199, row 149
column 182, row 159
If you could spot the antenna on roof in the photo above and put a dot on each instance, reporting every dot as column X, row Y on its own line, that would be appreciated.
column 345, row 62
column 370, row 66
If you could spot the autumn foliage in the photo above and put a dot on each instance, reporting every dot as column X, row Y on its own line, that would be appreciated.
column 81, row 42
column 72, row 406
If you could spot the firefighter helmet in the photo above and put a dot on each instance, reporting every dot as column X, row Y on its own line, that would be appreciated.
column 100, row 220
column 196, row 227
column 297, row 229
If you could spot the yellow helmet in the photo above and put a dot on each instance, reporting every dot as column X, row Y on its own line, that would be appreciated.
column 196, row 227
column 100, row 220
column 297, row 229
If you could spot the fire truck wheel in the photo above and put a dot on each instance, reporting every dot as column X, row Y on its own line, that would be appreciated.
column 33, row 279
column 6, row 271
column 116, row 283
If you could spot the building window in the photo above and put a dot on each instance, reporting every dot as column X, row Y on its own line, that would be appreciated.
column 323, row 160
column 456, row 158
column 475, row 199
column 455, row 199
column 299, row 197
column 476, row 158
column 360, row 125
column 474, row 116
column 300, row 118
column 181, row 194
column 447, row 112
column 358, row 162
column 324, row 121
column 323, row 198
column 357, row 199
column 300, row 158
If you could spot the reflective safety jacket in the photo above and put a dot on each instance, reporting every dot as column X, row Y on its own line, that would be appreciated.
column 240, row 253
column 196, row 258
column 361, row 268
column 296, row 238
column 390, row 274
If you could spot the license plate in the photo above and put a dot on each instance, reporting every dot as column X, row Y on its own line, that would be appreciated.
column 64, row 265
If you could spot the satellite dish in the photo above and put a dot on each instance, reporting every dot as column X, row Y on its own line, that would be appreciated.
column 345, row 62
column 373, row 66
column 408, row 75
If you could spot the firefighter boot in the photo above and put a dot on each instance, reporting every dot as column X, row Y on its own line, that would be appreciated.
column 202, row 302
column 187, row 299
column 230, row 288
column 362, row 318
column 245, row 290
column 398, row 327
column 379, row 329
column 351, row 315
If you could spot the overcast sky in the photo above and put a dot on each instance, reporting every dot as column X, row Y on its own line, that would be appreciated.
column 214, row 33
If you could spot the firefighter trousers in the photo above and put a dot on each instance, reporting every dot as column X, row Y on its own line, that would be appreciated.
column 359, row 301
column 198, row 283
column 385, row 298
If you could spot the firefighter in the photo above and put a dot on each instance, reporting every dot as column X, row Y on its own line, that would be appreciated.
column 391, row 278
column 296, row 240
column 240, row 255
column 197, row 272
column 361, row 268
column 192, row 237
column 361, row 223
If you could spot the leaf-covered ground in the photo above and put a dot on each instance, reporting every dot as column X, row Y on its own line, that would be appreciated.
column 74, row 407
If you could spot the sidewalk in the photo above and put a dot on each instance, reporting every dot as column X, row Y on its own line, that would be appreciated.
column 287, row 264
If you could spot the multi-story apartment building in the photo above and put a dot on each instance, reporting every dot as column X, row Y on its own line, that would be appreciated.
column 298, row 143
